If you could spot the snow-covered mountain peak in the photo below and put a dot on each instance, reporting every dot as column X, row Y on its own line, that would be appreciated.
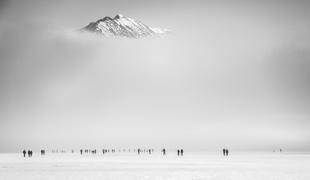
column 122, row 26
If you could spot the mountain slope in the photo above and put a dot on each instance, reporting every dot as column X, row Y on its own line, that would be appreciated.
column 123, row 27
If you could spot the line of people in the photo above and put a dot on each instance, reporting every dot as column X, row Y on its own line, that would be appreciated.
column 180, row 152
column 225, row 152
column 88, row 151
column 139, row 151
column 29, row 152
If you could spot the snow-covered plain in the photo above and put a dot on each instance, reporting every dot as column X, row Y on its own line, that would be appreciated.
column 239, row 166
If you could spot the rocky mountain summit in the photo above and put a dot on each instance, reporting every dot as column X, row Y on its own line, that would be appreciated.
column 121, row 26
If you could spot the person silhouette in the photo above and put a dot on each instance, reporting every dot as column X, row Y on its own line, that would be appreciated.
column 182, row 152
column 81, row 151
column 149, row 151
column 178, row 152
column 224, row 152
column 24, row 153
column 139, row 150
column 164, row 151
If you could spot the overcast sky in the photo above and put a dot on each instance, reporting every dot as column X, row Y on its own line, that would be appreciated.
column 232, row 74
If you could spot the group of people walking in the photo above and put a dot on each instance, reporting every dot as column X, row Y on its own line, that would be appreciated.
column 149, row 151
column 138, row 151
column 180, row 152
column 86, row 151
column 29, row 152
column 225, row 152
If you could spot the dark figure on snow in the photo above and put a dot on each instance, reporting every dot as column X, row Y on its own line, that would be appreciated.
column 139, row 150
column 226, row 152
column 42, row 152
column 178, row 152
column 182, row 152
column 164, row 151
column 81, row 151
column 24, row 153
column 149, row 151
column 29, row 153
